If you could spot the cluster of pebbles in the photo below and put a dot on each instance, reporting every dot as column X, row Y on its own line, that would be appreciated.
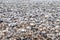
column 30, row 21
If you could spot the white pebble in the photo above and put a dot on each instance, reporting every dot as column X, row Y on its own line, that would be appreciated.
column 22, row 30
column 46, row 15
column 56, row 26
column 28, row 27
column 12, row 24
column 32, row 24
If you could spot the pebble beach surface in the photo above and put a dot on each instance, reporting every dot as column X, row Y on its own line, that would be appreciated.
column 29, row 20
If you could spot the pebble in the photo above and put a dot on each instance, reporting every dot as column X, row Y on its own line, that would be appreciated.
column 49, row 39
column 12, row 24
column 32, row 24
column 46, row 15
column 57, row 26
column 1, row 21
column 43, row 34
column 28, row 27
column 22, row 30
column 34, row 29
column 6, row 20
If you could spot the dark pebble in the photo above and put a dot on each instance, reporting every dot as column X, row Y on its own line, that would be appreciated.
column 1, row 21
column 8, row 37
column 35, row 38
column 18, row 39
column 43, row 34
column 34, row 29
column 29, row 38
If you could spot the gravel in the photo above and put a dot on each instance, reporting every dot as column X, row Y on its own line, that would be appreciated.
column 30, row 20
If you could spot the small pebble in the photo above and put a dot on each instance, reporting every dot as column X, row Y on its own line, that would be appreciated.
column 1, row 21
column 22, row 30
column 12, row 24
